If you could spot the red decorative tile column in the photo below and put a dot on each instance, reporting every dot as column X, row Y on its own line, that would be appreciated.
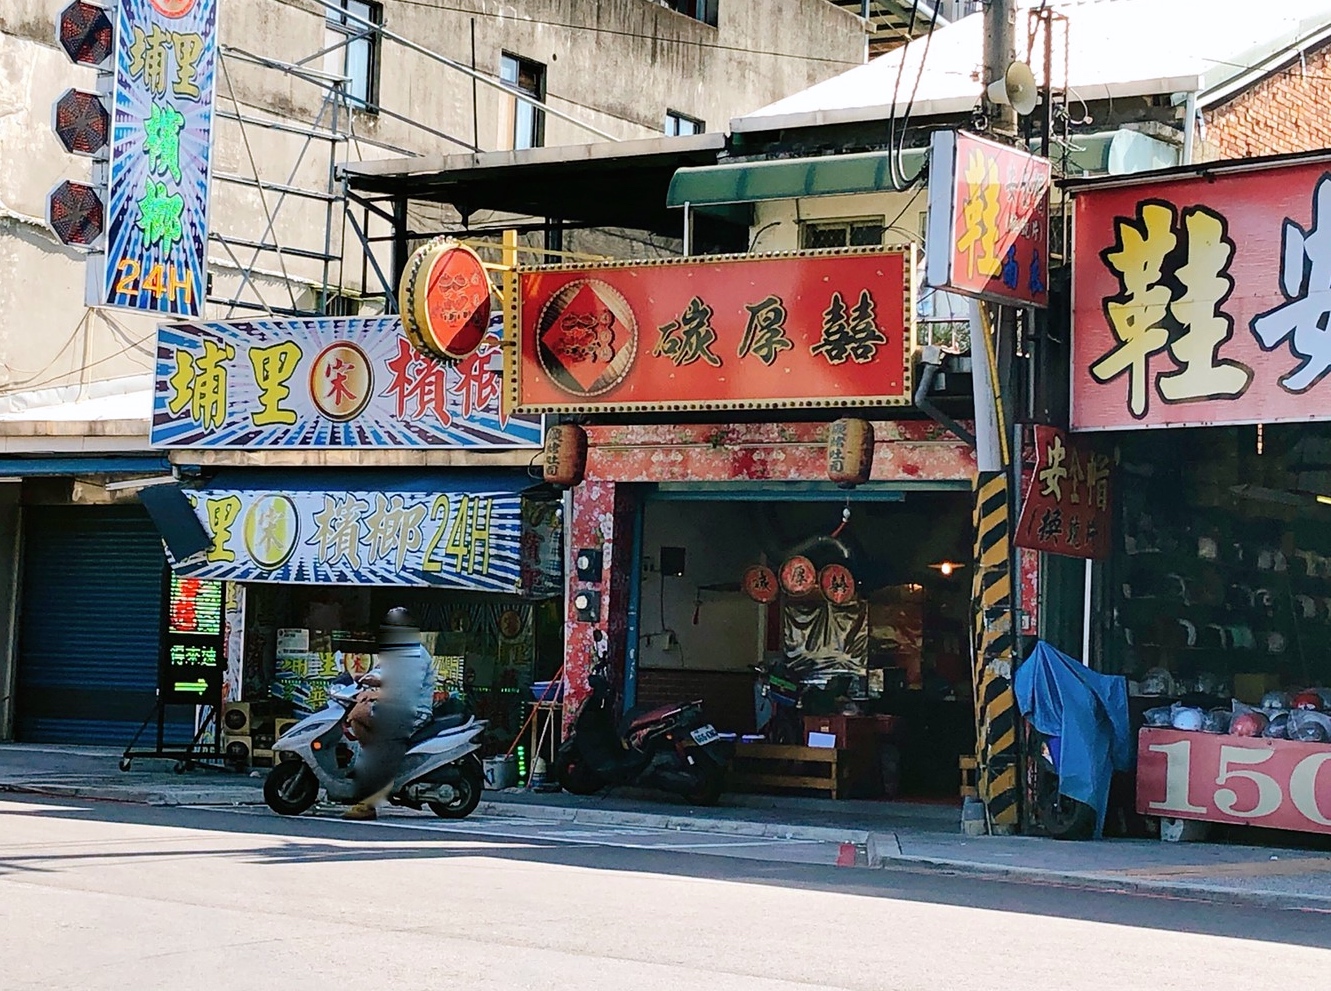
column 601, row 519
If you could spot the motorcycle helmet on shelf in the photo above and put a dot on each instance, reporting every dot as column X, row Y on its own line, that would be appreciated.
column 1185, row 717
column 1157, row 681
column 1161, row 716
column 1249, row 723
column 1216, row 721
column 1278, row 727
column 1307, row 700
column 1309, row 727
column 1275, row 700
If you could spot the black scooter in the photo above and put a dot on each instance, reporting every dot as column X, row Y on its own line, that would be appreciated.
column 671, row 748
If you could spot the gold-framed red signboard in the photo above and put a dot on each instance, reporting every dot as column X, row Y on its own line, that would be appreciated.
column 718, row 332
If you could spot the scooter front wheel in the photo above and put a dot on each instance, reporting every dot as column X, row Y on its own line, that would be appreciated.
column 291, row 788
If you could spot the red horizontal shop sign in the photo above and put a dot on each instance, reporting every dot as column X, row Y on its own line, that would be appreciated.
column 733, row 332
column 1203, row 299
column 1282, row 784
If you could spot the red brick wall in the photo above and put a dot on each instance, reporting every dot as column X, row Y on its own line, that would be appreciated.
column 727, row 695
column 1285, row 112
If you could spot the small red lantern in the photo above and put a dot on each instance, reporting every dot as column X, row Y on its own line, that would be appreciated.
column 444, row 299
column 759, row 584
column 798, row 576
column 837, row 584
column 849, row 452
column 565, row 457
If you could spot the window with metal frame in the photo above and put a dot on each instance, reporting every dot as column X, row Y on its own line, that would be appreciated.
column 677, row 123
column 527, row 77
column 699, row 10
column 352, row 49
column 849, row 233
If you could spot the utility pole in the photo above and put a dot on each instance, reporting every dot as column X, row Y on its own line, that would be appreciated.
column 1000, row 32
column 998, row 747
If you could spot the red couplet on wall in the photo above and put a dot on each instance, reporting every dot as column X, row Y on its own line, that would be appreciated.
column 1280, row 784
column 1202, row 299
column 717, row 333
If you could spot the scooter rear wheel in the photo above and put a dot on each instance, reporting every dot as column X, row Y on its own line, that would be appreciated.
column 574, row 776
column 468, row 790
column 291, row 788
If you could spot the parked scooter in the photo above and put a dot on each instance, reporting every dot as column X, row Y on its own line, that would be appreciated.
column 441, row 770
column 1063, row 818
column 777, row 705
column 671, row 748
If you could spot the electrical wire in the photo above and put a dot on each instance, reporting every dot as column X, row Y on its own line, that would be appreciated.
column 596, row 29
column 893, row 171
column 910, row 105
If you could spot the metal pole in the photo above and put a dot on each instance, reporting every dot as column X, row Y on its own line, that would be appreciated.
column 688, row 228
column 1086, row 616
column 475, row 110
column 1047, row 117
column 1000, row 30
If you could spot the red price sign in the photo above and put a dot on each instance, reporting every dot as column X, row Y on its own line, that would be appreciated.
column 1281, row 784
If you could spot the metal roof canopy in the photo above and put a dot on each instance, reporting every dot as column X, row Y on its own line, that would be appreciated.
column 1199, row 169
column 720, row 188
column 609, row 184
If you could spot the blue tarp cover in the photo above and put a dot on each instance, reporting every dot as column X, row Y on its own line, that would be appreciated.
column 1088, row 712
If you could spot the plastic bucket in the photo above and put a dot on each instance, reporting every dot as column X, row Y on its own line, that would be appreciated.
column 500, row 773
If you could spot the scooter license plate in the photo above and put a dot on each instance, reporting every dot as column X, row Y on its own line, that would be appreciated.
column 704, row 735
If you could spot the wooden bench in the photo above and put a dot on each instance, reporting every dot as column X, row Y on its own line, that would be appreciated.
column 767, row 766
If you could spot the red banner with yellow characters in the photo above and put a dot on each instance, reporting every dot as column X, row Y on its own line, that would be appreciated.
column 1203, row 299
column 734, row 332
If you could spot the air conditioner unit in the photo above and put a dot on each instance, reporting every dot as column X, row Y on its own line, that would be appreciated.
column 281, row 724
column 236, row 719
column 237, row 751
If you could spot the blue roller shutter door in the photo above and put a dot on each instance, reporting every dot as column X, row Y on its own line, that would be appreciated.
column 91, row 625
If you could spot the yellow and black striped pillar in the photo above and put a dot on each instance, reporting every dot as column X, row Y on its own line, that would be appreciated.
column 993, row 637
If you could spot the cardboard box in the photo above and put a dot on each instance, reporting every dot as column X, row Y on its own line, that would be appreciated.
column 1251, row 687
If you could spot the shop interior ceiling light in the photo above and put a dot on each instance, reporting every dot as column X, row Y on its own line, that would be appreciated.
column 947, row 568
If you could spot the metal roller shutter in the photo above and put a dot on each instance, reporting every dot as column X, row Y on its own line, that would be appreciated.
column 91, row 624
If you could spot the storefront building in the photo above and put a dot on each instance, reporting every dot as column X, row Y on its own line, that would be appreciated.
column 1198, row 358
column 334, row 471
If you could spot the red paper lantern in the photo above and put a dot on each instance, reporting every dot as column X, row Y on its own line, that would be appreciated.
column 837, row 584
column 798, row 576
column 760, row 584
column 444, row 299
column 565, row 457
column 849, row 452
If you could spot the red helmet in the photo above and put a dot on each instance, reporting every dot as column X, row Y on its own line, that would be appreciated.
column 1308, row 700
column 1247, row 724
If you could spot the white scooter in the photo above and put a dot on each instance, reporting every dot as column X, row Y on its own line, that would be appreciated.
column 441, row 769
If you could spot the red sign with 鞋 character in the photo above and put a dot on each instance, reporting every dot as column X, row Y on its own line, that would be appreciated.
column 1203, row 299
column 1282, row 784
column 988, row 231
column 1066, row 509
column 716, row 333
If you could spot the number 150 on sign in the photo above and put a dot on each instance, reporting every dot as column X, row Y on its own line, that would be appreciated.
column 1271, row 783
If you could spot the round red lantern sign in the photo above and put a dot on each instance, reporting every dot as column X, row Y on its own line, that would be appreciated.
column 799, row 576
column 445, row 299
column 759, row 584
column 837, row 584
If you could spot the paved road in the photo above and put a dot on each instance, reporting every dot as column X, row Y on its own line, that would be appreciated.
column 111, row 897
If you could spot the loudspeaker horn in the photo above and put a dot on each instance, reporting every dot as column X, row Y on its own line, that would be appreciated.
column 1016, row 89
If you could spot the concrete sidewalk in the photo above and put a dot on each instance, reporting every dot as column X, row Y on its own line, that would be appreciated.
column 898, row 835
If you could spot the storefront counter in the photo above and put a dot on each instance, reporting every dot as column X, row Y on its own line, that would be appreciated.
column 1280, row 784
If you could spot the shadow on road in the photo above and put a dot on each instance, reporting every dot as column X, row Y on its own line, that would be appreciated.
column 312, row 840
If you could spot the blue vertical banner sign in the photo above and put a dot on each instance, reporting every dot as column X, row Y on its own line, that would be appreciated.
column 161, row 138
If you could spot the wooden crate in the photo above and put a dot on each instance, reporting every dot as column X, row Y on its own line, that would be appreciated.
column 968, row 767
column 767, row 766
